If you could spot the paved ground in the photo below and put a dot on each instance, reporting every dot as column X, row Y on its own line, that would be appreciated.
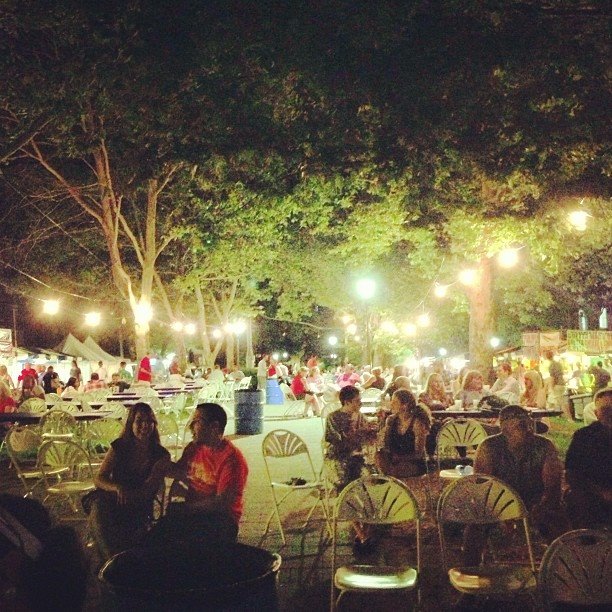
column 304, row 578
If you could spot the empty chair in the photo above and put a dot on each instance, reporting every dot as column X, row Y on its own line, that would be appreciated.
column 375, row 500
column 22, row 444
column 64, row 492
column 116, row 410
column 100, row 434
column 479, row 501
column 58, row 424
column 467, row 434
column 576, row 571
column 169, row 433
column 295, row 407
column 290, row 471
column 33, row 404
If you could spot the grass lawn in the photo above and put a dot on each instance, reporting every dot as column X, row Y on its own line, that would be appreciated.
column 561, row 432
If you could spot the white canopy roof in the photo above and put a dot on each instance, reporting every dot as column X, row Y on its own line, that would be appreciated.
column 90, row 343
column 74, row 347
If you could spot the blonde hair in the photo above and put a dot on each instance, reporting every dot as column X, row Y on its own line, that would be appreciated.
column 535, row 378
column 4, row 390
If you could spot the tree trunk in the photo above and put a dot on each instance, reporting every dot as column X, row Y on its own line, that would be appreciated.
column 229, row 348
column 249, row 358
column 482, row 320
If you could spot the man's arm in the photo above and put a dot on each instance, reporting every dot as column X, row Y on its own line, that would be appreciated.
column 552, row 473
column 179, row 470
column 483, row 462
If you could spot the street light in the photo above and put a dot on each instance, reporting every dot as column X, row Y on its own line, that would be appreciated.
column 366, row 288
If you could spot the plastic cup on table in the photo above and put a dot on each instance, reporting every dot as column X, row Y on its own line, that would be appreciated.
column 458, row 405
column 475, row 405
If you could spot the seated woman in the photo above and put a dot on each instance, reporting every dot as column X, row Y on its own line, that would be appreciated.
column 376, row 380
column 301, row 389
column 71, row 388
column 434, row 396
column 405, row 433
column 472, row 389
column 5, row 377
column 130, row 475
column 534, row 395
column 7, row 403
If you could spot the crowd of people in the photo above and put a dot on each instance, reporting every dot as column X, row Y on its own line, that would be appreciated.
column 207, row 497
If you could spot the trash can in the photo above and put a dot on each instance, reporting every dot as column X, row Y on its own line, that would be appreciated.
column 248, row 411
column 274, row 394
column 191, row 577
column 577, row 404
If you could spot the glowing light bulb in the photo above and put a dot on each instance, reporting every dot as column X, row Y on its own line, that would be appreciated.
column 507, row 258
column 440, row 290
column 143, row 313
column 468, row 277
column 423, row 320
column 351, row 328
column 578, row 218
column 177, row 326
column 93, row 319
column 189, row 329
column 51, row 307
column 216, row 333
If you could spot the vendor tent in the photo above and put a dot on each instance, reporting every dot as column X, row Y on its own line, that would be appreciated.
column 90, row 343
column 74, row 347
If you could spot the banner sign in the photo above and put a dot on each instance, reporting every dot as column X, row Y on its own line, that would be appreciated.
column 6, row 341
column 594, row 342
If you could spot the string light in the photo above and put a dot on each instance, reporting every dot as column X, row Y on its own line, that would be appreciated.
column 51, row 307
column 410, row 329
column 177, row 326
column 507, row 258
column 351, row 329
column 440, row 290
column 468, row 277
column 93, row 319
column 578, row 219
column 143, row 313
column 189, row 329
column 423, row 320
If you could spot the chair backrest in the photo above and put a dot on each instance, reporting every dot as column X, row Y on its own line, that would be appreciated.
column 167, row 425
column 22, row 444
column 102, row 432
column 244, row 383
column 480, row 499
column 283, row 443
column 55, row 454
column 287, row 392
column 379, row 500
column 52, row 397
column 577, row 569
column 33, row 404
column 468, row 432
column 117, row 410
column 57, row 422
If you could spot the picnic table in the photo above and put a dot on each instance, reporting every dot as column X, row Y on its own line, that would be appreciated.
column 28, row 418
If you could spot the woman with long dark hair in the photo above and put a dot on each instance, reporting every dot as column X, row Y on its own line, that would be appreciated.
column 131, row 473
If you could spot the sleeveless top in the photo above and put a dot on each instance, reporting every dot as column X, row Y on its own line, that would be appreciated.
column 400, row 443
column 124, row 473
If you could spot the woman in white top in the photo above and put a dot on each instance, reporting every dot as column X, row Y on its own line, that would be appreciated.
column 506, row 386
column 71, row 387
column 5, row 377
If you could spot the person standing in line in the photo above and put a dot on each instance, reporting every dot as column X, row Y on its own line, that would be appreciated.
column 262, row 372
column 102, row 371
column 75, row 372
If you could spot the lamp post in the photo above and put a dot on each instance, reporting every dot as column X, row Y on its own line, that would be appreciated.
column 366, row 288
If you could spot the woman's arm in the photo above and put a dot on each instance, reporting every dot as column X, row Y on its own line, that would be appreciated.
column 103, row 479
column 156, row 477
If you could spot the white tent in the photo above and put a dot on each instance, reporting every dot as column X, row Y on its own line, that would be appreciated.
column 90, row 343
column 75, row 348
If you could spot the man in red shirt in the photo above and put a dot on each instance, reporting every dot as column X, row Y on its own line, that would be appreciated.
column 215, row 472
column 28, row 370
column 144, row 369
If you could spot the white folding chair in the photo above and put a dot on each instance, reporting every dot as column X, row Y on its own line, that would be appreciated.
column 576, row 571
column 374, row 500
column 296, row 475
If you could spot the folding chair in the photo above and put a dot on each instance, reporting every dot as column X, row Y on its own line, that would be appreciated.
column 576, row 571
column 58, row 424
column 33, row 404
column 22, row 444
column 100, row 434
column 482, row 500
column 466, row 433
column 76, row 476
column 282, row 445
column 374, row 500
column 169, row 433
column 295, row 407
